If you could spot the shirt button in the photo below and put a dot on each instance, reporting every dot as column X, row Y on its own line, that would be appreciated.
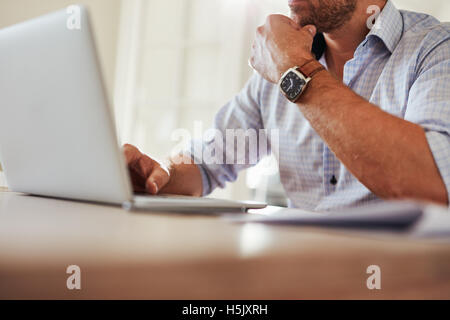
column 333, row 181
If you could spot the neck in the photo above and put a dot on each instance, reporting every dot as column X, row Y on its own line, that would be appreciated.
column 342, row 43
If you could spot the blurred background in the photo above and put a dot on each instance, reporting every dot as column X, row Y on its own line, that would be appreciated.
column 169, row 64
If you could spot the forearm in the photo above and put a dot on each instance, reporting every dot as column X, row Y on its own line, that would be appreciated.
column 185, row 178
column 389, row 155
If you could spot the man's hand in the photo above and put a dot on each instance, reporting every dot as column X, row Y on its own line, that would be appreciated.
column 147, row 175
column 281, row 44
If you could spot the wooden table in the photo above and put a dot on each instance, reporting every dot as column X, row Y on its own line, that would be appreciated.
column 170, row 256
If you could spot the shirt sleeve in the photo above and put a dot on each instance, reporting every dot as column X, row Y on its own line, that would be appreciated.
column 214, row 153
column 429, row 104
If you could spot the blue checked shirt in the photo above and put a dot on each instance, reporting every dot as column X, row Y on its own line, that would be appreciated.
column 403, row 66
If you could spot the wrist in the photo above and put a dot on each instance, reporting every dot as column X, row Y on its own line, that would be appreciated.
column 185, row 177
column 300, row 61
column 295, row 62
column 294, row 81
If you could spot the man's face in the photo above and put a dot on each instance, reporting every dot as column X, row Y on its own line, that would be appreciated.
column 326, row 15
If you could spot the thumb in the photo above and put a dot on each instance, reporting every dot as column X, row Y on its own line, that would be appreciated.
column 311, row 29
column 157, row 180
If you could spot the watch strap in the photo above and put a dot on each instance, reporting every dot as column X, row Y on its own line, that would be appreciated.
column 310, row 68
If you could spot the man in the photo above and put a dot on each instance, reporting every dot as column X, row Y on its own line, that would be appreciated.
column 373, row 122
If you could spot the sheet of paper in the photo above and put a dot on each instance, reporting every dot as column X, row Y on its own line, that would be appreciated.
column 435, row 223
column 384, row 215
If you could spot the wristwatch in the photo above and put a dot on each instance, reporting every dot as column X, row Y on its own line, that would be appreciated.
column 294, row 81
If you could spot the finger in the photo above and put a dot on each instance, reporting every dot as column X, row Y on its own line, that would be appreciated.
column 275, row 18
column 294, row 24
column 138, row 182
column 144, row 169
column 146, row 165
column 251, row 59
column 132, row 157
column 252, row 53
column 310, row 30
column 260, row 31
column 131, row 153
column 157, row 180
column 130, row 148
column 250, row 64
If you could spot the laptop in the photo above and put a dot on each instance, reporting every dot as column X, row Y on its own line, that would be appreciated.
column 57, row 133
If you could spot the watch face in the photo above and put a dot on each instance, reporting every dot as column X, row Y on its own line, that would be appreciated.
column 292, row 85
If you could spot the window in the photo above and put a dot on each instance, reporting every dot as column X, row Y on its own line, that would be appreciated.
column 179, row 62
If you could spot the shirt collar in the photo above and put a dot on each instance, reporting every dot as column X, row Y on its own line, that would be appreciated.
column 388, row 27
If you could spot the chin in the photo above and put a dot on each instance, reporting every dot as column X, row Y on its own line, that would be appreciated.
column 296, row 18
column 301, row 17
column 300, row 20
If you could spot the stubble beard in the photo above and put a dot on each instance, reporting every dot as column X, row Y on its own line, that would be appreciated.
column 328, row 16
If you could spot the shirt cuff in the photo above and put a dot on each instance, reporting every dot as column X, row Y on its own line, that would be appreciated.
column 193, row 151
column 440, row 147
column 205, row 181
